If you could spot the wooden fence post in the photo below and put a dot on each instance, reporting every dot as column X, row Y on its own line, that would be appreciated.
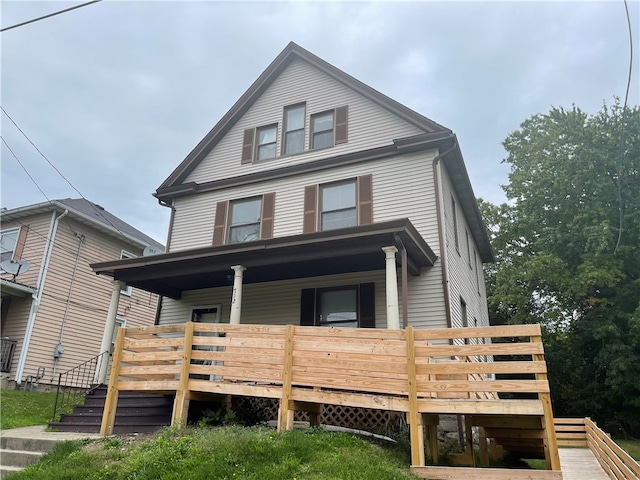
column 285, row 413
column 416, row 426
column 181, row 403
column 551, row 454
column 111, row 402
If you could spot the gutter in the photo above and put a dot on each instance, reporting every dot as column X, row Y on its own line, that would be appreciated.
column 35, row 304
column 437, row 182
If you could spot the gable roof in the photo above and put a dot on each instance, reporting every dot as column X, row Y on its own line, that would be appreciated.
column 88, row 213
column 289, row 54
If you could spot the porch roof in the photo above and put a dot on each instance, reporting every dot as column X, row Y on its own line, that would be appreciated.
column 353, row 249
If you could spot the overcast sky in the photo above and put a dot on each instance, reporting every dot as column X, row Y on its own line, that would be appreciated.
column 116, row 94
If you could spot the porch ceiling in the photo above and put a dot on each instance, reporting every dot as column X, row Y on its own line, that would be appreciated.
column 354, row 249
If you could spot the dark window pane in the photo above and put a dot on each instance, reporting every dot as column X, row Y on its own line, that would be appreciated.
column 244, row 233
column 323, row 139
column 294, row 142
column 339, row 219
column 338, row 308
column 335, row 197
column 245, row 211
column 267, row 151
column 295, row 118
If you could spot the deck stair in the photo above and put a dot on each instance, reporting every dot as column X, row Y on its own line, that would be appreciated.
column 136, row 412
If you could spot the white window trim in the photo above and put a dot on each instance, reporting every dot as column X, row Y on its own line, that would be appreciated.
column 128, row 289
column 7, row 231
column 121, row 322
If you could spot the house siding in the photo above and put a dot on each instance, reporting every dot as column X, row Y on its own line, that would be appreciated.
column 37, row 228
column 403, row 186
column 462, row 274
column 89, row 297
column 369, row 125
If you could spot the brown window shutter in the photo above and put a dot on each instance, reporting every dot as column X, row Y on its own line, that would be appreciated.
column 247, row 146
column 365, row 199
column 367, row 301
column 308, row 307
column 220, row 223
column 22, row 239
column 268, row 210
column 341, row 124
column 310, row 209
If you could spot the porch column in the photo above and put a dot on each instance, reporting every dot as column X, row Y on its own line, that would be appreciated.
column 393, row 315
column 107, row 334
column 236, row 299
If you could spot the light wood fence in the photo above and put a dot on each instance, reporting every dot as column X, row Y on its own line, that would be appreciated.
column 583, row 432
column 421, row 372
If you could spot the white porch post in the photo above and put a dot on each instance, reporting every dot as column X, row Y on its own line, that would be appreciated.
column 393, row 314
column 236, row 299
column 107, row 334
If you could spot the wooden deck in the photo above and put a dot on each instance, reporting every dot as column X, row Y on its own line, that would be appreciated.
column 424, row 373
column 580, row 464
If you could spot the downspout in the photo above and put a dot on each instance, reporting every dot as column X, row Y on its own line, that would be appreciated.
column 166, row 249
column 56, row 359
column 35, row 304
column 437, row 183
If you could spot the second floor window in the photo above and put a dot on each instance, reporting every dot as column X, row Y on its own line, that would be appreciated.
column 293, row 138
column 267, row 142
column 338, row 205
column 244, row 220
column 8, row 242
column 322, row 130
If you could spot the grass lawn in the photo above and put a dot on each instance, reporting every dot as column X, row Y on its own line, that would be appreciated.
column 632, row 447
column 234, row 452
column 22, row 409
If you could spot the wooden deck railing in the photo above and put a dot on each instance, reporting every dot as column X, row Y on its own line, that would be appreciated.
column 583, row 432
column 420, row 372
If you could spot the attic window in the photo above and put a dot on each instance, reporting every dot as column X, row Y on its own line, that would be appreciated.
column 322, row 130
column 293, row 126
column 267, row 142
column 8, row 242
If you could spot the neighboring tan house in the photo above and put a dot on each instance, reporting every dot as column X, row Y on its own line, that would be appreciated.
column 317, row 200
column 53, row 315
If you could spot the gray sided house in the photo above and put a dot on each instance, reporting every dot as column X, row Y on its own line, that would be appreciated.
column 317, row 200
column 53, row 314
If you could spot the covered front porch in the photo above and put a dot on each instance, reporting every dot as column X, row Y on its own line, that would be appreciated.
column 388, row 253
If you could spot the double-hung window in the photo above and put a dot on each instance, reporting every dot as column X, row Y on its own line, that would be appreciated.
column 267, row 142
column 338, row 205
column 322, row 130
column 293, row 126
column 8, row 242
column 244, row 221
column 338, row 307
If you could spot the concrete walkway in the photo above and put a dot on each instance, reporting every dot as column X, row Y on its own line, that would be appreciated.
column 21, row 447
column 580, row 464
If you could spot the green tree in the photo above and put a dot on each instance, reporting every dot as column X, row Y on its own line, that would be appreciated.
column 568, row 256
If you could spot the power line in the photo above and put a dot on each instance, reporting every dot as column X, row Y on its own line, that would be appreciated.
column 24, row 168
column 49, row 15
column 97, row 210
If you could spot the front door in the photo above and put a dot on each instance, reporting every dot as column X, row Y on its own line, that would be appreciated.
column 206, row 314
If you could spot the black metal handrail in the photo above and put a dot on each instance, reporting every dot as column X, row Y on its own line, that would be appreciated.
column 8, row 347
column 75, row 384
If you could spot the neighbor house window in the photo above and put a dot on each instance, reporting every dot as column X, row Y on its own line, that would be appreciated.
column 465, row 318
column 322, row 130
column 244, row 220
column 120, row 323
column 126, row 289
column 267, row 142
column 466, row 237
column 293, row 127
column 338, row 205
column 8, row 242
